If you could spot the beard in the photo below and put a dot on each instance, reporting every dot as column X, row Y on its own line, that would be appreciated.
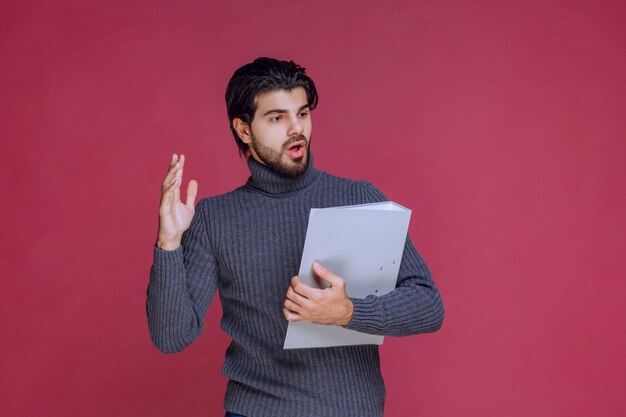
column 291, row 168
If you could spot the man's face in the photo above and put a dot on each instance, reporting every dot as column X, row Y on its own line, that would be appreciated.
column 280, row 132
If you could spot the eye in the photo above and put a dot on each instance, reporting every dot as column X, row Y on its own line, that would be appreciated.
column 304, row 113
column 275, row 118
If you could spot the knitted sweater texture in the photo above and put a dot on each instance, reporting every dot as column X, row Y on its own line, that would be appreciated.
column 248, row 244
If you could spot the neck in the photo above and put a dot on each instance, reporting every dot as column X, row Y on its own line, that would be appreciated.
column 267, row 180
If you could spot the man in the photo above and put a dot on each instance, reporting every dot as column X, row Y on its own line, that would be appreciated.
column 248, row 244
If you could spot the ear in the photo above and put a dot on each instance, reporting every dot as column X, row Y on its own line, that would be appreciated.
column 243, row 130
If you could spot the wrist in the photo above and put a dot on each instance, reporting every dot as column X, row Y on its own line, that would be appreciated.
column 349, row 312
column 167, row 245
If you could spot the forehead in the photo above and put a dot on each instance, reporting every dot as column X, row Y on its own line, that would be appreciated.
column 281, row 99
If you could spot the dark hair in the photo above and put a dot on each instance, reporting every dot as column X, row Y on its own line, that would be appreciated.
column 258, row 77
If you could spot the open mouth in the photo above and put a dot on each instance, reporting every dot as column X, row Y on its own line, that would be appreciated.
column 296, row 150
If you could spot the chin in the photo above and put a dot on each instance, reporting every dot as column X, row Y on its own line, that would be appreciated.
column 294, row 168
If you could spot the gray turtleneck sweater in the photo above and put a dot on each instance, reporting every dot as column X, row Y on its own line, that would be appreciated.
column 248, row 244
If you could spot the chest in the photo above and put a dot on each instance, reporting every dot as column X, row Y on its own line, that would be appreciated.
column 259, row 249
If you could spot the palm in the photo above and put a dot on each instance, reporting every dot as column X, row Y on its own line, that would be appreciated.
column 176, row 218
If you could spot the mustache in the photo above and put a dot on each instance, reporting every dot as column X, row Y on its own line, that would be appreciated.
column 294, row 139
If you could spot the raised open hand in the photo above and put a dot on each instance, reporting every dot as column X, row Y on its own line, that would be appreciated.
column 174, row 215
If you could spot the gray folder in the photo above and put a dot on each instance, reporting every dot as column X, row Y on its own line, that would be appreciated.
column 363, row 244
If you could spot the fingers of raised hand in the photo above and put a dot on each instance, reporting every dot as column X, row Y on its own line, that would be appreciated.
column 192, row 191
column 167, row 193
column 173, row 160
column 175, row 172
column 173, row 179
column 173, row 164
column 179, row 177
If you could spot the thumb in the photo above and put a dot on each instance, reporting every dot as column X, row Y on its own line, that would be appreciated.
column 192, row 192
column 326, row 274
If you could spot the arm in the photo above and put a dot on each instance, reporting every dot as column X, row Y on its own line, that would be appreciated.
column 414, row 306
column 183, row 276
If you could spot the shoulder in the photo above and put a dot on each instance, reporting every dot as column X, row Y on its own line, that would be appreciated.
column 365, row 191
column 221, row 200
column 371, row 193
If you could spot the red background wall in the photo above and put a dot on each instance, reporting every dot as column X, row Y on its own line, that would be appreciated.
column 501, row 124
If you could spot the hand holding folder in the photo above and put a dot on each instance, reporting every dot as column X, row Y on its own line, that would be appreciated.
column 363, row 244
column 328, row 305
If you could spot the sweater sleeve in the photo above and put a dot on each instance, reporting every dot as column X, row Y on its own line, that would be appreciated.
column 181, row 287
column 414, row 306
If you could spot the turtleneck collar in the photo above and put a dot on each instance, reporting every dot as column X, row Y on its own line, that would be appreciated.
column 269, row 181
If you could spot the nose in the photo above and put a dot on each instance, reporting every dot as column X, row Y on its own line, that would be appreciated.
column 295, row 127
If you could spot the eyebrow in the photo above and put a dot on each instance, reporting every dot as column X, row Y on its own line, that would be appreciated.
column 283, row 111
